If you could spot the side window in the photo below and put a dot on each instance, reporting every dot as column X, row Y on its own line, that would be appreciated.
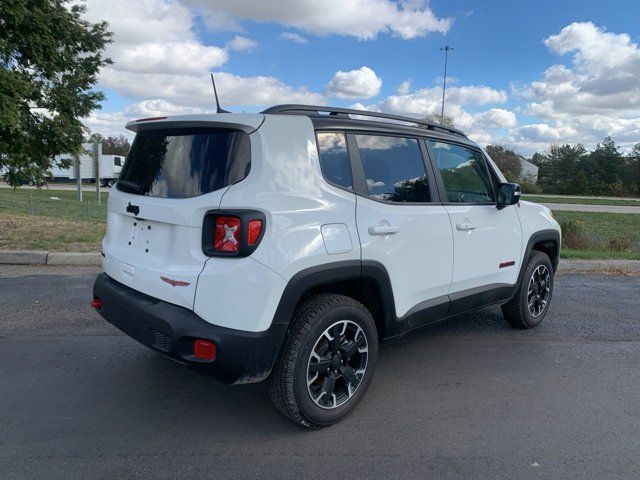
column 334, row 158
column 464, row 173
column 393, row 168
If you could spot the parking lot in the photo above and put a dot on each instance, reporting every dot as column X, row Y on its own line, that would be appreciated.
column 466, row 398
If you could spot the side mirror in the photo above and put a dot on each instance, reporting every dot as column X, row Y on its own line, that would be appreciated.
column 508, row 194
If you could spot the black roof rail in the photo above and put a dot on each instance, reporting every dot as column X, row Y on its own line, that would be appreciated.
column 346, row 112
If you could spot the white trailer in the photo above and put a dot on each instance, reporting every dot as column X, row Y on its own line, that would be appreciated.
column 109, row 168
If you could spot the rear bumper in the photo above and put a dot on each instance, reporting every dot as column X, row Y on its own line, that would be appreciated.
column 242, row 357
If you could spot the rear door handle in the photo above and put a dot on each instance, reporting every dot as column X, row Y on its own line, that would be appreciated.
column 384, row 230
column 465, row 226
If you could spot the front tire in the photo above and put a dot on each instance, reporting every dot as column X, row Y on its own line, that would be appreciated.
column 531, row 302
column 327, row 361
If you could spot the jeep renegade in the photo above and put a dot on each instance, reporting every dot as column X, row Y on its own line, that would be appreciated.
column 286, row 245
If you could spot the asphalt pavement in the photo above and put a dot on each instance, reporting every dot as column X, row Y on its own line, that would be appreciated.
column 465, row 398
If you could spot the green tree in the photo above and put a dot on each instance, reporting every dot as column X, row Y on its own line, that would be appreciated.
column 507, row 160
column 634, row 167
column 559, row 166
column 116, row 145
column 538, row 159
column 607, row 170
column 49, row 60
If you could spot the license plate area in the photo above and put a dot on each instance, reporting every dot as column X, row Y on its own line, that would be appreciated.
column 145, row 236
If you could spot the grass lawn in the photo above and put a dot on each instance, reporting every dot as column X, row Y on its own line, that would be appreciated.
column 33, row 220
column 601, row 228
column 582, row 201
column 51, row 220
column 28, row 232
column 53, row 203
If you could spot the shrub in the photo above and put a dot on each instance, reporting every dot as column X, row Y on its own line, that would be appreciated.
column 574, row 235
column 621, row 244
column 530, row 188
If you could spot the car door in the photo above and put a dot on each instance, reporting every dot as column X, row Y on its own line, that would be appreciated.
column 487, row 241
column 399, row 223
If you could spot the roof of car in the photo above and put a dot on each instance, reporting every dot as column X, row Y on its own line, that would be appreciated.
column 343, row 118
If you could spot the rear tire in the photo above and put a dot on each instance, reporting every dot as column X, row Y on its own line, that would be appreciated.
column 327, row 361
column 531, row 302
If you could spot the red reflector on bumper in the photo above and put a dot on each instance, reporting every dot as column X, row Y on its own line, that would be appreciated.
column 96, row 303
column 204, row 350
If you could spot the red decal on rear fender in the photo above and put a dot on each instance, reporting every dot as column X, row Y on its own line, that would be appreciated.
column 175, row 283
column 507, row 264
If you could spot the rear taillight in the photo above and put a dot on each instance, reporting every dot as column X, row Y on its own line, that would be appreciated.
column 255, row 229
column 227, row 236
column 232, row 233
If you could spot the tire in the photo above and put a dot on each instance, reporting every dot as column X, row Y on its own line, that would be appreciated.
column 529, row 307
column 316, row 321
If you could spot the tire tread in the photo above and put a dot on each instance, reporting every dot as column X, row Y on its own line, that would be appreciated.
column 281, row 380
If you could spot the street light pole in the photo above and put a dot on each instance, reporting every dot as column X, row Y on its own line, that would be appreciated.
column 446, row 49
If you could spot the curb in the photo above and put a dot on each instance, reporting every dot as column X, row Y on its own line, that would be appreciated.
column 601, row 266
column 23, row 257
column 91, row 259
column 33, row 257
column 94, row 259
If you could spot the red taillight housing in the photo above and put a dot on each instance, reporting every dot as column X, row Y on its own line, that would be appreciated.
column 255, row 229
column 96, row 302
column 204, row 350
column 235, row 233
column 227, row 234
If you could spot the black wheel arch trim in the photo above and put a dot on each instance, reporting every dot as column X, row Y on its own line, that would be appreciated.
column 536, row 238
column 426, row 312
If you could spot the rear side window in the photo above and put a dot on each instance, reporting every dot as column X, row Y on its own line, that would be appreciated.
column 334, row 158
column 464, row 173
column 183, row 163
column 393, row 168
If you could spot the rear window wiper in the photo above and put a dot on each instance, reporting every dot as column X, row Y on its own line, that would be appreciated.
column 130, row 187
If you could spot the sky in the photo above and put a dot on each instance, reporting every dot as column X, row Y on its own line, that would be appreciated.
column 523, row 74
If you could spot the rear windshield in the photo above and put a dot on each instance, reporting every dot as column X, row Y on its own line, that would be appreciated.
column 185, row 163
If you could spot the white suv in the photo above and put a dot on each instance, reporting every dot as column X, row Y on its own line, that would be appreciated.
column 287, row 244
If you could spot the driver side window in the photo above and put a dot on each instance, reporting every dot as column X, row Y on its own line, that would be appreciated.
column 463, row 172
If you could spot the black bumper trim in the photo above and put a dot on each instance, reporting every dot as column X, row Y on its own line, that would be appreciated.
column 242, row 357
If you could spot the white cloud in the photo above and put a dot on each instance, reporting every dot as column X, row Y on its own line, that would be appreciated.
column 241, row 44
column 157, row 55
column 597, row 95
column 427, row 101
column 364, row 19
column 168, row 57
column 293, row 37
column 360, row 83
column 195, row 91
column 404, row 87
column 112, row 123
column 603, row 80
column 480, row 126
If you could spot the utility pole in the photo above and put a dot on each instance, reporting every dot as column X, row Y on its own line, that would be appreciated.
column 97, row 158
column 446, row 49
column 78, row 170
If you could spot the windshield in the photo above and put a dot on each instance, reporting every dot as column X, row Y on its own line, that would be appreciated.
column 183, row 163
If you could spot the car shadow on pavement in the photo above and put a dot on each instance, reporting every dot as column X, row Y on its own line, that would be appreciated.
column 164, row 389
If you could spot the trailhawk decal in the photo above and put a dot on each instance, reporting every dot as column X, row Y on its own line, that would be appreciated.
column 175, row 283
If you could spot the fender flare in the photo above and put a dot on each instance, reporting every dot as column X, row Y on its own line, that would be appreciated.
column 319, row 275
column 537, row 237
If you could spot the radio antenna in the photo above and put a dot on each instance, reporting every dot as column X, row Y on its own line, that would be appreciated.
column 215, row 93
